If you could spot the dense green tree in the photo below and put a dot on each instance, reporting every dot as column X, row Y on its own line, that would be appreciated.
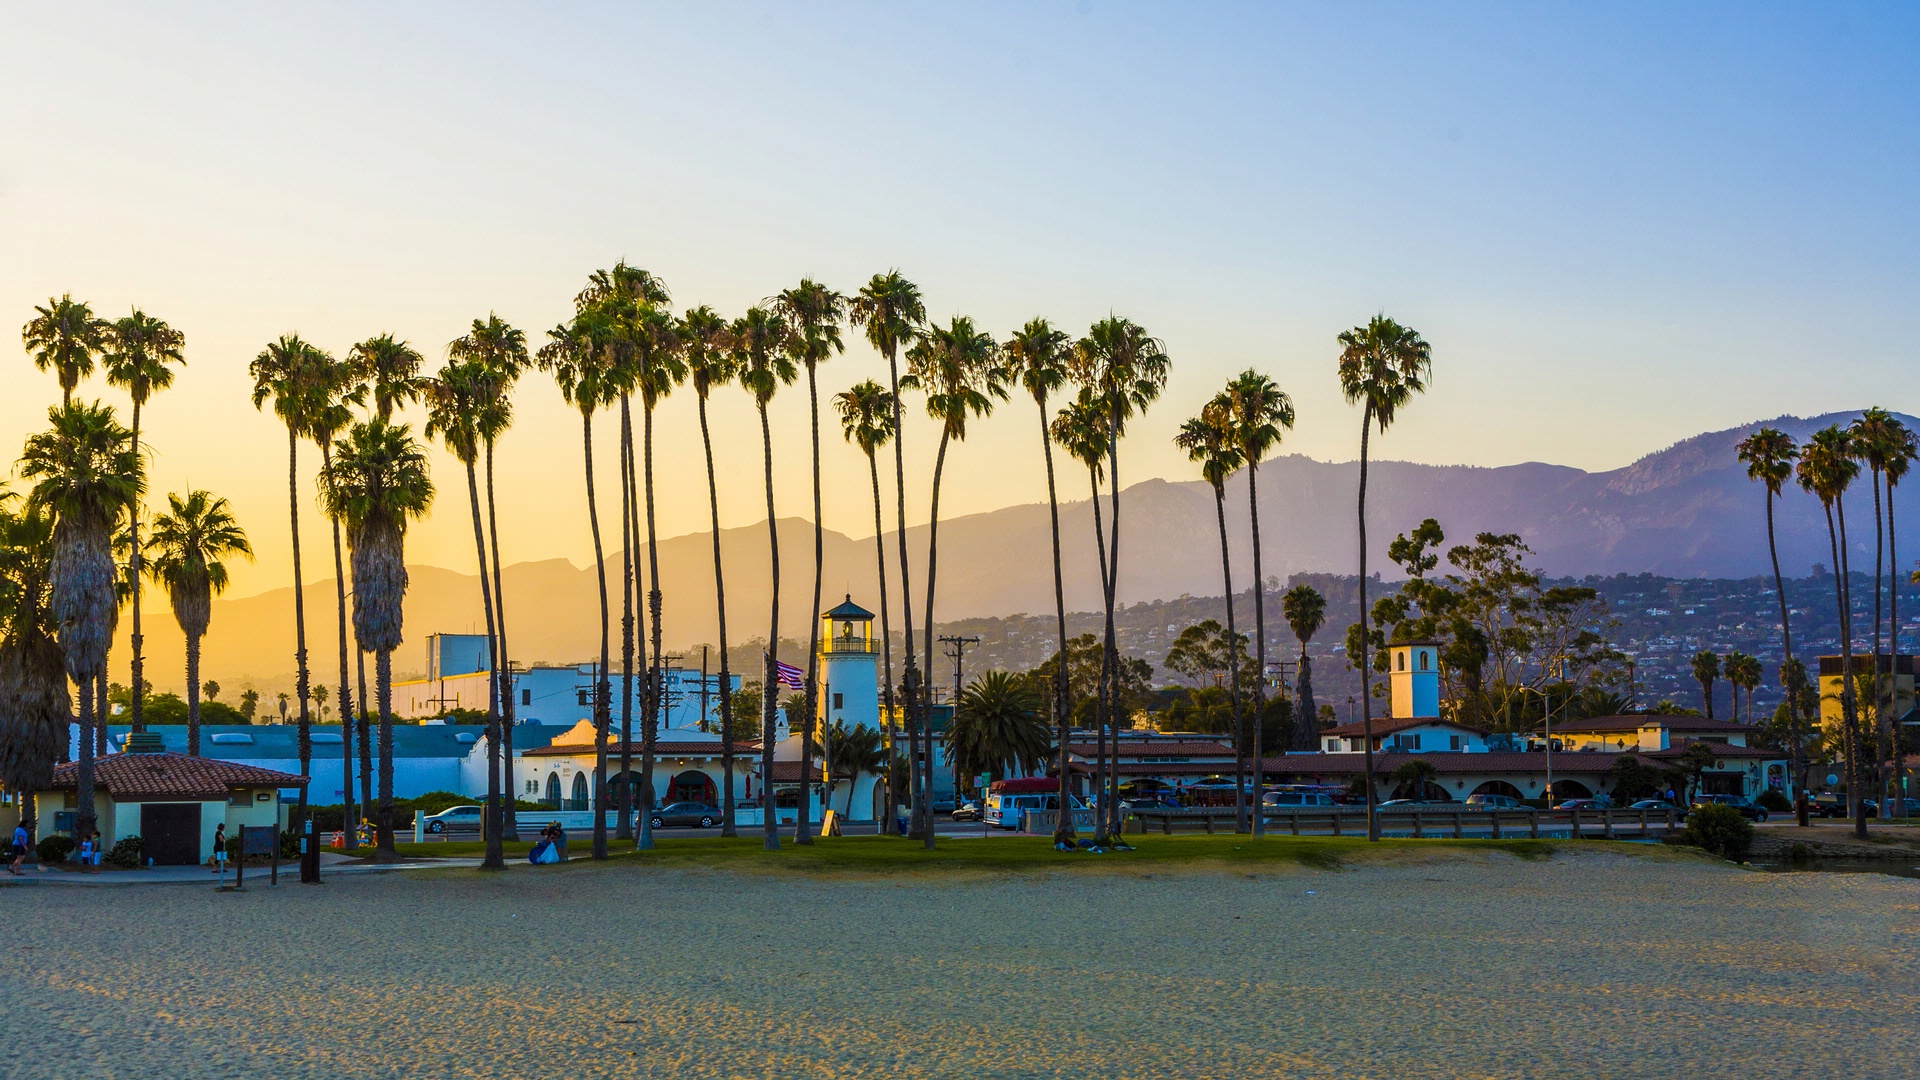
column 999, row 725
column 1306, row 612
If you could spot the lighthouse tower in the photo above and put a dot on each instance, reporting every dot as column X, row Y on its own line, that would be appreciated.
column 849, row 663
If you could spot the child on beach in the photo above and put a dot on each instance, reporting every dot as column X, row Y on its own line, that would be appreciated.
column 86, row 854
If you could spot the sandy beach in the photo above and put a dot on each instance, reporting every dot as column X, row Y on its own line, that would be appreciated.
column 1462, row 965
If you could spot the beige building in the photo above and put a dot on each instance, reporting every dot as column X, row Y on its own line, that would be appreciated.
column 171, row 801
column 1896, row 678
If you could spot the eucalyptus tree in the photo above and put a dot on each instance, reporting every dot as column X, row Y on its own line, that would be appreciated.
column 1769, row 455
column 1306, row 612
column 86, row 475
column 707, row 344
column 64, row 337
column 1260, row 410
column 1382, row 366
column 1037, row 356
column 1209, row 442
column 190, row 544
column 958, row 367
column 454, row 400
column 813, row 314
column 1126, row 369
column 866, row 419
column 579, row 357
column 891, row 310
column 762, row 365
column 376, row 481
column 500, row 351
column 35, row 709
column 139, row 349
column 294, row 376
column 340, row 386
column 1827, row 467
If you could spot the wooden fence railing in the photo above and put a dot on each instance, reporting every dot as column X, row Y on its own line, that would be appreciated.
column 1430, row 822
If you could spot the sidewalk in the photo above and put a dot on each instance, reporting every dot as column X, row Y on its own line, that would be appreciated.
column 257, row 877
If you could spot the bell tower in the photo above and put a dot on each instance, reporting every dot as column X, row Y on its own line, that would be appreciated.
column 1414, row 672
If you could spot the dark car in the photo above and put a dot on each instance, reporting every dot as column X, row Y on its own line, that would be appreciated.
column 1581, row 804
column 692, row 814
column 1653, row 804
column 967, row 811
column 1829, row 804
column 1749, row 809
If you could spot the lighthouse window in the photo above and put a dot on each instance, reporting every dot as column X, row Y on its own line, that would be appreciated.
column 1402, row 658
column 1423, row 661
column 837, row 700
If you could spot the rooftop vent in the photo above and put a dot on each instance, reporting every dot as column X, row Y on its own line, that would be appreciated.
column 329, row 738
column 465, row 737
column 232, row 738
column 143, row 742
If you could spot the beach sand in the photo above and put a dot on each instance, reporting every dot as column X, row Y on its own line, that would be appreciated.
column 1459, row 965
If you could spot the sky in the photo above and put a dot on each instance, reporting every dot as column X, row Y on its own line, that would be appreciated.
column 1618, row 225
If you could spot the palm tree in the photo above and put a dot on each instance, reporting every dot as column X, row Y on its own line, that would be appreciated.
column 339, row 386
column 87, row 474
column 295, row 376
column 1306, row 612
column 391, row 368
column 1209, row 441
column 139, row 348
column 1769, row 455
column 377, row 482
column 957, row 367
column 659, row 366
column 1125, row 368
column 1706, row 669
column 763, row 367
column 1037, row 355
column 1827, row 466
column 578, row 357
column 1878, row 439
column 813, row 312
column 1080, row 428
column 1382, row 365
column 454, row 400
column 1902, row 449
column 998, row 726
column 1743, row 673
column 890, row 308
column 64, row 337
column 707, row 344
column 35, row 708
column 866, row 419
column 1259, row 411
column 188, row 543
column 853, row 753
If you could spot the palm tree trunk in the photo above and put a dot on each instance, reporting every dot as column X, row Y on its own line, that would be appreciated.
column 105, row 717
column 383, row 686
column 656, row 697
column 802, row 822
column 503, row 667
column 1063, row 830
column 886, row 646
column 1233, row 636
column 1114, row 704
column 346, row 694
column 720, row 606
column 1850, row 701
column 136, row 640
column 1100, row 835
column 933, row 555
column 910, row 678
column 309, row 863
column 1883, row 745
column 627, row 555
column 1366, row 662
column 1260, row 652
column 1893, row 646
column 85, row 817
column 1836, row 538
column 602, row 687
column 366, row 737
column 495, row 855
column 193, row 695
column 770, row 682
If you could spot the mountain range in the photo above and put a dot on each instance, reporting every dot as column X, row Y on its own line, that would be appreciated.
column 1685, row 511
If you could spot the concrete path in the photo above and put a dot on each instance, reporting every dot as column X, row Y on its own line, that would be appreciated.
column 330, row 864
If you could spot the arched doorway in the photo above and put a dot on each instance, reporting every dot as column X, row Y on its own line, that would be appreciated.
column 553, row 790
column 1571, row 789
column 1426, row 791
column 694, row 786
column 581, row 800
column 1499, row 787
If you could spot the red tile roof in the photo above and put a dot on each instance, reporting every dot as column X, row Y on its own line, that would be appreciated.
column 1387, row 725
column 1156, row 748
column 788, row 772
column 660, row 749
column 1599, row 724
column 170, row 776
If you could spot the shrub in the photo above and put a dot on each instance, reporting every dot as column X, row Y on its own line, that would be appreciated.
column 1719, row 829
column 54, row 849
column 1775, row 802
column 130, row 852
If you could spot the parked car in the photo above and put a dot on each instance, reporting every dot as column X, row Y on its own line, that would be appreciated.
column 1831, row 804
column 967, row 811
column 1903, row 808
column 454, row 819
column 1492, row 802
column 691, row 814
column 1418, row 802
column 1749, row 809
column 1653, row 804
column 1581, row 804
column 1287, row 800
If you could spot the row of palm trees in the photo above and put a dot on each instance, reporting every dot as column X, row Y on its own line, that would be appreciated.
column 1826, row 466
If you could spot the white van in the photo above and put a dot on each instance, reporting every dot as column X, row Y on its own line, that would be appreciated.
column 1005, row 811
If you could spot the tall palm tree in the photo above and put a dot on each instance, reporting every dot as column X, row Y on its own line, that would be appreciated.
column 1260, row 411
column 763, row 367
column 1706, row 670
column 1126, row 369
column 1080, row 428
column 997, row 727
column 659, row 366
column 454, row 400
column 86, row 475
column 957, row 367
column 813, row 313
column 377, row 483
column 708, row 346
column 1037, row 355
column 889, row 307
column 1769, row 455
column 294, row 375
column 1209, row 441
column 1743, row 673
column 189, row 543
column 1382, row 366
column 1876, row 437
column 35, row 709
column 391, row 369
column 579, row 356
column 1827, row 466
column 64, row 337
column 1306, row 612
column 339, row 386
column 866, row 419
column 139, row 348
column 1902, row 450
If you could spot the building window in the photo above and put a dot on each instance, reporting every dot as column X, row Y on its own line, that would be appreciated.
column 1424, row 657
column 1402, row 660
column 1455, row 740
column 837, row 700
column 526, row 697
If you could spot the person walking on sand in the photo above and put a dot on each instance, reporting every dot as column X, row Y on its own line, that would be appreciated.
column 220, row 847
column 19, row 852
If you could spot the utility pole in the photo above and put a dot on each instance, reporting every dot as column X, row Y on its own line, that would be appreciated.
column 703, row 688
column 957, row 648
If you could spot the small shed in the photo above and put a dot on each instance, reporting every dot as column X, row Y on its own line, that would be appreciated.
column 171, row 801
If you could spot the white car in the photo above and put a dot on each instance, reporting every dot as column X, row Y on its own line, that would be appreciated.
column 454, row 819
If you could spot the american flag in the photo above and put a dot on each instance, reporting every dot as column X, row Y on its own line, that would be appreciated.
column 789, row 676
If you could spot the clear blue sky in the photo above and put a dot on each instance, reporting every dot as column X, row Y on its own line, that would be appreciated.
column 1618, row 224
